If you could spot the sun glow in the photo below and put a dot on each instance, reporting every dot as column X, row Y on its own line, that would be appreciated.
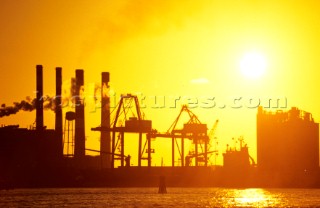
column 255, row 198
column 253, row 65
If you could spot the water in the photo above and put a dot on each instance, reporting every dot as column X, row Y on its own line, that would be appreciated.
column 148, row 197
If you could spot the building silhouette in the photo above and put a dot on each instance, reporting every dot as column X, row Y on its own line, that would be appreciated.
column 287, row 142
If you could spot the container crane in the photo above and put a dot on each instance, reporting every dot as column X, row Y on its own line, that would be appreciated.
column 207, row 150
column 193, row 130
column 128, row 119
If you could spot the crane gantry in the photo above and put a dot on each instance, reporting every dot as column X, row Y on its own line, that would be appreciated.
column 192, row 130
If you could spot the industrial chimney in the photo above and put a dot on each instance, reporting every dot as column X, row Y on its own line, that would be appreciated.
column 58, row 110
column 105, row 139
column 39, row 100
column 79, row 146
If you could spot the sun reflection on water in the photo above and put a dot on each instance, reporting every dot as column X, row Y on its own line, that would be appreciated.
column 252, row 197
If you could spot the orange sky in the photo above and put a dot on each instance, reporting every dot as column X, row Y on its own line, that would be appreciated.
column 163, row 48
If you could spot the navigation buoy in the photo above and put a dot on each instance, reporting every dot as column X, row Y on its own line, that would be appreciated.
column 162, row 185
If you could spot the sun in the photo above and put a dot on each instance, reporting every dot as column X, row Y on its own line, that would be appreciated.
column 253, row 65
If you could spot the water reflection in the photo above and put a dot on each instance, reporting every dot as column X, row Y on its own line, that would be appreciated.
column 149, row 197
column 254, row 197
column 246, row 198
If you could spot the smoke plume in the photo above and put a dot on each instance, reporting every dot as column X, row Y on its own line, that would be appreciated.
column 49, row 103
column 26, row 105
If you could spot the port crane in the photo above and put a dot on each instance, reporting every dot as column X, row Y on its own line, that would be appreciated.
column 213, row 139
column 208, row 150
column 193, row 130
column 128, row 119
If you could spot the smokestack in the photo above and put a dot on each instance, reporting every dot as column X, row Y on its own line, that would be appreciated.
column 58, row 108
column 105, row 139
column 79, row 146
column 39, row 100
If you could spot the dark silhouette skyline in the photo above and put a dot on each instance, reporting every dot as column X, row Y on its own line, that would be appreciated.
column 26, row 154
column 165, row 48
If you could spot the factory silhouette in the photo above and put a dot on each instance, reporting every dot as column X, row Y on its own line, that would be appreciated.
column 287, row 147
